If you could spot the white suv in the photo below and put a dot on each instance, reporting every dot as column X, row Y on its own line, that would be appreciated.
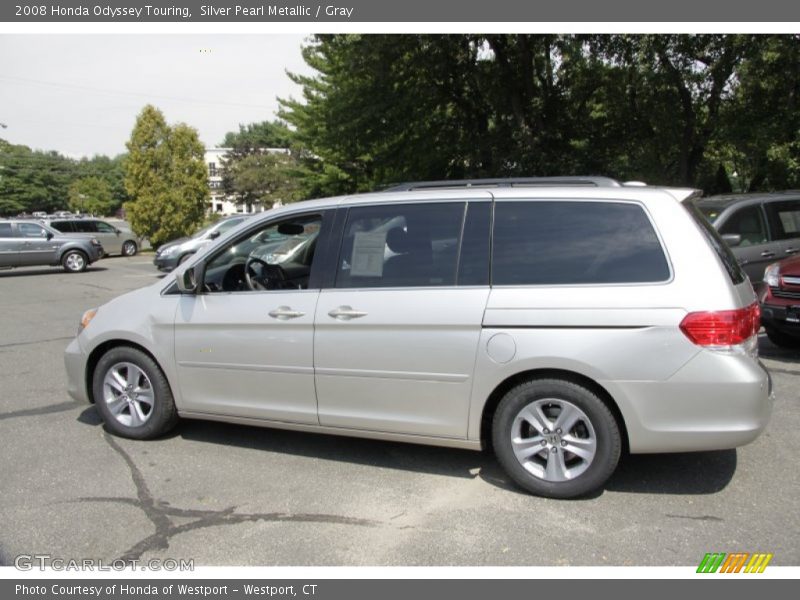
column 556, row 320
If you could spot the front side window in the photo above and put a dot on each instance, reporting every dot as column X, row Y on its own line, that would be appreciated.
column 747, row 222
column 103, row 227
column 400, row 245
column 31, row 230
column 562, row 242
column 278, row 256
column 5, row 230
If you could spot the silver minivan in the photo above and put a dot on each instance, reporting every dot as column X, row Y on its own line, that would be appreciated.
column 557, row 321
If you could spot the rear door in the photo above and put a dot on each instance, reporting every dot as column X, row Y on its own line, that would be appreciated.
column 784, row 217
column 396, row 335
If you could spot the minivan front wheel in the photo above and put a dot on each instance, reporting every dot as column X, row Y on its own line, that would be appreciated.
column 132, row 394
column 555, row 438
column 74, row 261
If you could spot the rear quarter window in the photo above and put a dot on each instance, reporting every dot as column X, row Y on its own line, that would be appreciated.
column 563, row 242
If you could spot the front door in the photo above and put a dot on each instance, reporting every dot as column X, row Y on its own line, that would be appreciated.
column 396, row 337
column 244, row 346
column 755, row 250
column 34, row 246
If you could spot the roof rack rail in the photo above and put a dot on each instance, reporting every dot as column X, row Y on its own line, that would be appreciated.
column 504, row 182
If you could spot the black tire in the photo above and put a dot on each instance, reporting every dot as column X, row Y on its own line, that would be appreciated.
column 781, row 339
column 74, row 261
column 596, row 426
column 129, row 248
column 162, row 414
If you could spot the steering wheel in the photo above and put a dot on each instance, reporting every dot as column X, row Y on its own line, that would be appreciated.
column 270, row 274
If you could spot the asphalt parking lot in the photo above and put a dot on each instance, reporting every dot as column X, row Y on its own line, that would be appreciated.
column 233, row 495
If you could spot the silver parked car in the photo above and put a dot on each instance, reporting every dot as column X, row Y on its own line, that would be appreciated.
column 556, row 320
column 176, row 252
column 116, row 239
column 28, row 244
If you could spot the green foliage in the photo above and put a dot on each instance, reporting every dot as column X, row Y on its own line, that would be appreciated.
column 253, row 138
column 32, row 180
column 90, row 195
column 252, row 173
column 716, row 111
column 264, row 177
column 166, row 178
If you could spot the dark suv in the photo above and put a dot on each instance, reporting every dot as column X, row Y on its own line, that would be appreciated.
column 759, row 228
column 780, row 303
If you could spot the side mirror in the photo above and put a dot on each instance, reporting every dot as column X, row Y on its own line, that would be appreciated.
column 188, row 279
column 214, row 235
column 732, row 239
column 49, row 236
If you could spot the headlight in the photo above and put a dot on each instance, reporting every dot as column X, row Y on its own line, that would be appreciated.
column 86, row 319
column 772, row 275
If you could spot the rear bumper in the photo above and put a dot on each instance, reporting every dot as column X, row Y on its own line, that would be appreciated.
column 714, row 402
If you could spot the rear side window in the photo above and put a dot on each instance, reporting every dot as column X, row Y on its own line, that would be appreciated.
column 400, row 245
column 715, row 241
column 557, row 242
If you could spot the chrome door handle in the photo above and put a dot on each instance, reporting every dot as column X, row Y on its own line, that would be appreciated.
column 791, row 250
column 768, row 254
column 284, row 313
column 345, row 313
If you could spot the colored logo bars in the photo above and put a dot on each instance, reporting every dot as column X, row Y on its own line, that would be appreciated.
column 744, row 562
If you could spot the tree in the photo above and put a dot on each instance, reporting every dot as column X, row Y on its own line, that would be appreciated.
column 33, row 180
column 166, row 177
column 90, row 195
column 111, row 171
column 264, row 177
column 667, row 109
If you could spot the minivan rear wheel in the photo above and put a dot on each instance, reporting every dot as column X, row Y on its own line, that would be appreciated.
column 555, row 438
column 132, row 394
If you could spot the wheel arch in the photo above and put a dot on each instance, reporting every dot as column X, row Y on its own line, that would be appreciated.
column 490, row 406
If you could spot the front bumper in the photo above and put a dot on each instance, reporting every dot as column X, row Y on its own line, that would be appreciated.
column 75, row 362
column 773, row 316
column 166, row 263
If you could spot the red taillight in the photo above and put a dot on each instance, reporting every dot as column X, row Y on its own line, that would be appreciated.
column 722, row 328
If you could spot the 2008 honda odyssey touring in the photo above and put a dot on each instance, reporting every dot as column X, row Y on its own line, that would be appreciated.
column 555, row 320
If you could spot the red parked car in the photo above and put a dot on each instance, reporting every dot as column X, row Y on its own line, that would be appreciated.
column 780, row 302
